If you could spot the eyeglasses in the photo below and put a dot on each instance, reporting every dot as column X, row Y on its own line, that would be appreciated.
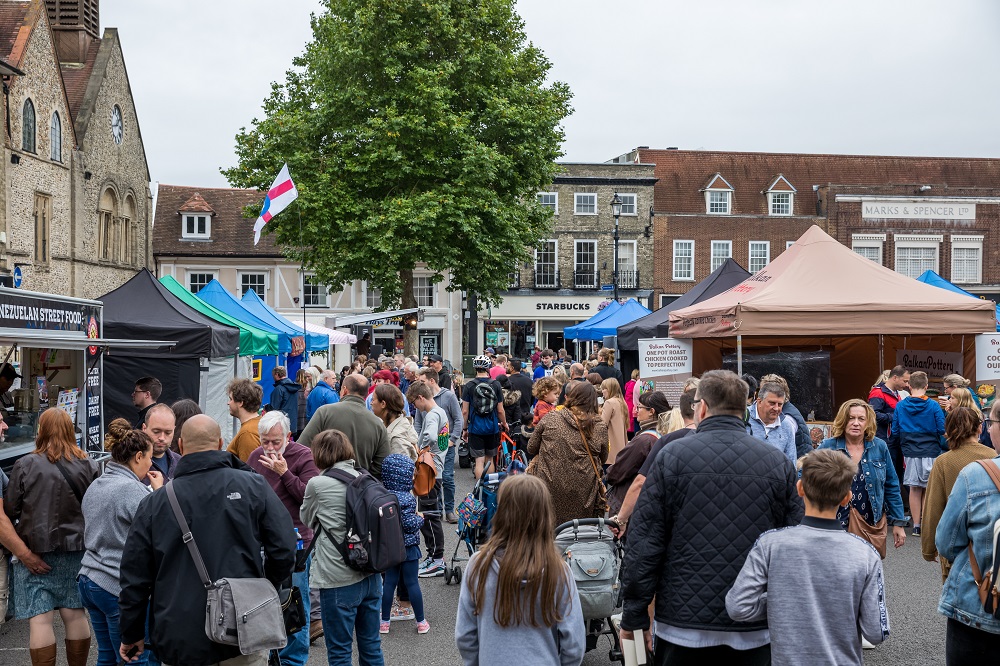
column 138, row 391
column 695, row 402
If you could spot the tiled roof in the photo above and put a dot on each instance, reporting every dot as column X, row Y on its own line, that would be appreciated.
column 15, row 28
column 232, row 234
column 683, row 174
column 76, row 77
column 196, row 204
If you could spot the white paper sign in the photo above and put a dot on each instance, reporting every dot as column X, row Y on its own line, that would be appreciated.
column 664, row 365
column 987, row 358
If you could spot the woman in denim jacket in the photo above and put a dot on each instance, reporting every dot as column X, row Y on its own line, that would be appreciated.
column 876, row 487
column 973, row 635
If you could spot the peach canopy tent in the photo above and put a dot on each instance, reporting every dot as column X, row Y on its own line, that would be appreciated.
column 821, row 294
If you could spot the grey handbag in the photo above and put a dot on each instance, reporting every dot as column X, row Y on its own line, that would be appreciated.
column 243, row 612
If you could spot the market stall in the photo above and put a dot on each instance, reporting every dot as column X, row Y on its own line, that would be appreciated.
column 821, row 296
column 314, row 342
column 55, row 344
column 933, row 279
column 203, row 358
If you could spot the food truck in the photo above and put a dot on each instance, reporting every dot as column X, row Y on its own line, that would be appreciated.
column 55, row 344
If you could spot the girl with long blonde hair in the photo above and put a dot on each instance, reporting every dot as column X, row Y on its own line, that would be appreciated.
column 519, row 603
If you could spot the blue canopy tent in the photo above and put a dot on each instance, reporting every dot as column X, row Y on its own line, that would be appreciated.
column 216, row 295
column 932, row 278
column 598, row 330
column 573, row 332
column 314, row 341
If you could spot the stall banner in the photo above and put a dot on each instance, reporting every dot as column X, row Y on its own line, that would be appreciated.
column 988, row 358
column 33, row 313
column 936, row 364
column 664, row 365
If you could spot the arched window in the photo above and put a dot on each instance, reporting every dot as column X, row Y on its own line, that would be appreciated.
column 28, row 127
column 107, row 236
column 55, row 138
column 127, row 251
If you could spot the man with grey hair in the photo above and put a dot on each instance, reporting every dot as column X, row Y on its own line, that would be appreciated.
column 766, row 422
column 287, row 468
column 448, row 401
column 577, row 373
column 678, row 507
column 803, row 443
column 322, row 394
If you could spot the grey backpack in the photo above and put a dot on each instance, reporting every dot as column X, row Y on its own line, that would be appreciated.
column 589, row 548
column 243, row 612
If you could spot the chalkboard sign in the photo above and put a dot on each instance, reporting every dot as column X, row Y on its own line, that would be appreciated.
column 807, row 373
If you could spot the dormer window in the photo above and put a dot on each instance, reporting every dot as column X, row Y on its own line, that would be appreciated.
column 197, row 226
column 780, row 197
column 718, row 196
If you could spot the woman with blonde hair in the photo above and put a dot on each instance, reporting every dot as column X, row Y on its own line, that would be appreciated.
column 559, row 374
column 605, row 366
column 43, row 501
column 614, row 413
column 519, row 603
column 569, row 446
column 875, row 489
column 960, row 397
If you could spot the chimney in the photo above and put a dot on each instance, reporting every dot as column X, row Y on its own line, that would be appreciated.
column 74, row 24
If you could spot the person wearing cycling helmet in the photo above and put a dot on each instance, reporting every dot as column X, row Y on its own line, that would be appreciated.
column 483, row 413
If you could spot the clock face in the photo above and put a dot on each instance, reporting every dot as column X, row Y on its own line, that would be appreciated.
column 117, row 130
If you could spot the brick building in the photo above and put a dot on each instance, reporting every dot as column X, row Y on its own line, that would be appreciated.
column 907, row 213
column 77, row 205
column 564, row 284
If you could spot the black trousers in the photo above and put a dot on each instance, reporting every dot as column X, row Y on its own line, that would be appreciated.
column 965, row 646
column 432, row 507
column 669, row 654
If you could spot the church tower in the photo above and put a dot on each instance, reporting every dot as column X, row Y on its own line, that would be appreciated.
column 74, row 23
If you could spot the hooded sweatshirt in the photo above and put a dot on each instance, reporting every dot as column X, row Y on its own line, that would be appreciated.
column 397, row 477
column 918, row 428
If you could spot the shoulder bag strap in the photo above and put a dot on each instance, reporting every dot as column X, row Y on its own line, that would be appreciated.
column 994, row 473
column 590, row 455
column 345, row 478
column 72, row 486
column 187, row 537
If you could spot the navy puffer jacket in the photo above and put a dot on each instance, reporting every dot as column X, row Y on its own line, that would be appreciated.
column 397, row 477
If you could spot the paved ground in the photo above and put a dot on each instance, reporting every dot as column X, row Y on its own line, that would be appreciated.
column 913, row 587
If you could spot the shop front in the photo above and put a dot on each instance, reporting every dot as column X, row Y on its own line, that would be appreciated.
column 520, row 322
column 55, row 344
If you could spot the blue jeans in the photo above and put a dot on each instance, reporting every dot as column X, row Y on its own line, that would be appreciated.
column 448, row 480
column 349, row 610
column 103, row 609
column 296, row 653
column 404, row 575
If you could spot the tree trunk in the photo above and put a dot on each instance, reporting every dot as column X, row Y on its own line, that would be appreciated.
column 411, row 339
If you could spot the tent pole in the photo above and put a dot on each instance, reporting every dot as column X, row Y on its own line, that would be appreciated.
column 739, row 355
column 881, row 355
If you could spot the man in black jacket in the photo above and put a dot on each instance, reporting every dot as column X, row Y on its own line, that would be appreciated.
column 699, row 513
column 227, row 506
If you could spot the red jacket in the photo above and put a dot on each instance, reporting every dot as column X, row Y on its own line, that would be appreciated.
column 883, row 400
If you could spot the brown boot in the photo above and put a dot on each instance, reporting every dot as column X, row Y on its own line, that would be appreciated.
column 45, row 656
column 77, row 651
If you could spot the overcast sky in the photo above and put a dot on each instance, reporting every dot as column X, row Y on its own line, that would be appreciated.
column 907, row 77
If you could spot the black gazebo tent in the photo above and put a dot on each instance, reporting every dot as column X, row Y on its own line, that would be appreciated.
column 142, row 308
column 657, row 323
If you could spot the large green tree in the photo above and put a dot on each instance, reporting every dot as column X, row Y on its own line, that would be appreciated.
column 417, row 132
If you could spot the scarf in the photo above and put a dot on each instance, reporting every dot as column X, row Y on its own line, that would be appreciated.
column 649, row 424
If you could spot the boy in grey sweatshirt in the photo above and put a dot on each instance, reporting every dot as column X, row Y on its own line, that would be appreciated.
column 434, row 433
column 820, row 588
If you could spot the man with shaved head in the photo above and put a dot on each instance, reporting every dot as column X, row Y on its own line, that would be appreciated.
column 233, row 514
column 364, row 430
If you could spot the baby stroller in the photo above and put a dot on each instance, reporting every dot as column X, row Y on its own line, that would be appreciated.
column 594, row 557
column 474, row 515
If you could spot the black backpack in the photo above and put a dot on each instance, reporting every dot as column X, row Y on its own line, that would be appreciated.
column 484, row 398
column 374, row 540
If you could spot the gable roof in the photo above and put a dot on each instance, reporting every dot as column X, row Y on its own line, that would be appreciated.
column 16, row 23
column 714, row 183
column 780, row 184
column 682, row 175
column 196, row 204
column 232, row 234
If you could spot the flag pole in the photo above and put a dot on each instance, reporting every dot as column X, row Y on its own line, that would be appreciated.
column 302, row 270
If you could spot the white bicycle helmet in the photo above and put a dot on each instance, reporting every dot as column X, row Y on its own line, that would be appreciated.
column 482, row 363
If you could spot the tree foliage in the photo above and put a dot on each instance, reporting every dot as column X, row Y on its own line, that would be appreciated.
column 416, row 132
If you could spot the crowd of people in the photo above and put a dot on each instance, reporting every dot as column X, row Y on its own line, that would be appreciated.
column 737, row 521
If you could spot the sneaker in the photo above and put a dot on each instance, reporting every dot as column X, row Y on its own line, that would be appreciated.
column 383, row 627
column 916, row 530
column 433, row 570
column 423, row 627
column 424, row 565
column 401, row 613
column 866, row 645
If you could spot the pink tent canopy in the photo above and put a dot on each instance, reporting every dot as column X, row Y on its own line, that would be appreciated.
column 819, row 287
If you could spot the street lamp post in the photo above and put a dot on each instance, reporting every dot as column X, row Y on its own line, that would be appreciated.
column 616, row 210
